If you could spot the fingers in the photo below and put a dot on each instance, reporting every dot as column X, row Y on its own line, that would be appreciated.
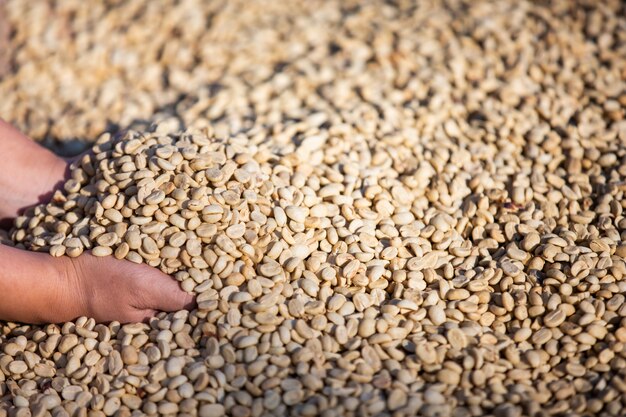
column 129, row 292
column 164, row 293
column 139, row 316
column 170, row 297
column 125, row 315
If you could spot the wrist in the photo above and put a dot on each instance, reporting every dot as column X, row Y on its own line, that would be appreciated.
column 54, row 174
column 28, row 175
column 70, row 290
column 50, row 177
column 67, row 295
column 35, row 287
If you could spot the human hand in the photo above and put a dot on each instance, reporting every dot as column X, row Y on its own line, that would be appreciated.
column 29, row 173
column 38, row 288
column 109, row 289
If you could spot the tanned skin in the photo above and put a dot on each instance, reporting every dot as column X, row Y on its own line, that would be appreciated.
column 38, row 288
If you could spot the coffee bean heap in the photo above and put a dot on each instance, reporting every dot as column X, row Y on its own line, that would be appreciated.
column 384, row 209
